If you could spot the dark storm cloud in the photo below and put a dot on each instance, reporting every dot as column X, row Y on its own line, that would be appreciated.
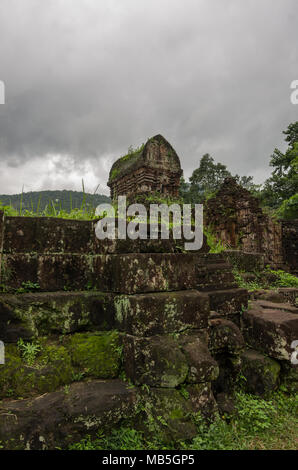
column 86, row 79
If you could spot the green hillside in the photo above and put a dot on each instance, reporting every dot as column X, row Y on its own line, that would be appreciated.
column 37, row 201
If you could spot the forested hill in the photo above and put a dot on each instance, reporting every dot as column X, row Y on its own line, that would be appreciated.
column 39, row 200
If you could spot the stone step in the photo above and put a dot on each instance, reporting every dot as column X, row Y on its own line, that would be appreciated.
column 290, row 294
column 155, row 272
column 161, row 313
column 36, row 314
column 124, row 273
column 286, row 307
column 54, row 272
column 58, row 418
column 48, row 235
column 270, row 330
column 216, row 278
column 228, row 301
column 30, row 315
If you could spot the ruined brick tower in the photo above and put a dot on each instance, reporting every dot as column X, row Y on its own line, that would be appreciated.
column 155, row 167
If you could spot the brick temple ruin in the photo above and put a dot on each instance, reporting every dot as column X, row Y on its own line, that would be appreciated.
column 238, row 221
column 126, row 326
column 154, row 168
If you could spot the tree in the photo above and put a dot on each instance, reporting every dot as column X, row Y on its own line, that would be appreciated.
column 208, row 178
column 283, row 183
column 247, row 182
column 289, row 208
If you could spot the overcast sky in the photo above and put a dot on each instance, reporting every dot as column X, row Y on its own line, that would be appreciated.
column 85, row 79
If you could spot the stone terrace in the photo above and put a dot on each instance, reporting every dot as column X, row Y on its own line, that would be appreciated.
column 112, row 314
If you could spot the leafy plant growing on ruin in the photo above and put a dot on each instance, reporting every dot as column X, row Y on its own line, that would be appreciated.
column 28, row 286
column 283, row 279
column 29, row 351
column 215, row 245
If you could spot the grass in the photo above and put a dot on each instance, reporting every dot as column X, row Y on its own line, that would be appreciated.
column 257, row 424
column 266, row 279
column 53, row 209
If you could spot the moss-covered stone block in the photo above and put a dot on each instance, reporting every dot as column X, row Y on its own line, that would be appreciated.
column 57, row 419
column 64, row 271
column 153, row 272
column 166, row 415
column 98, row 354
column 289, row 377
column 270, row 330
column 229, row 372
column 202, row 366
column 202, row 400
column 47, row 235
column 244, row 261
column 49, row 370
column 228, row 301
column 38, row 314
column 18, row 269
column 260, row 373
column 156, row 361
column 171, row 414
column 225, row 337
column 161, row 313
column 219, row 274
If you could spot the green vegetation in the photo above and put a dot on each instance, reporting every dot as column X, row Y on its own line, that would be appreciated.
column 256, row 424
column 280, row 188
column 28, row 286
column 29, row 351
column 34, row 368
column 216, row 246
column 97, row 353
column 62, row 204
column 132, row 154
column 206, row 180
column 266, row 279
column 289, row 208
column 278, row 195
column 43, row 365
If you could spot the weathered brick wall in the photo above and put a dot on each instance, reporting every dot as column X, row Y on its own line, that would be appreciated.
column 155, row 168
column 240, row 223
column 290, row 244
column 60, row 253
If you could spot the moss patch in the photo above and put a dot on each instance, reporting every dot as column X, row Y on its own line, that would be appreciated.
column 51, row 369
column 56, row 364
column 99, row 354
